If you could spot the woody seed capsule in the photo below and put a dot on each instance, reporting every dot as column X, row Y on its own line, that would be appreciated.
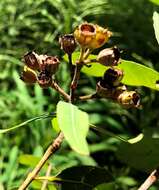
column 68, row 43
column 31, row 60
column 109, row 56
column 112, row 78
column 28, row 75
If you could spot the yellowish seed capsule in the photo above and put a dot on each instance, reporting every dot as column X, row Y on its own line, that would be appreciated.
column 91, row 36
column 28, row 75
column 129, row 99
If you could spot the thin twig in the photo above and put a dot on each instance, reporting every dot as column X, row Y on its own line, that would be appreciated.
column 60, row 90
column 88, row 97
column 51, row 149
column 45, row 182
column 75, row 80
column 152, row 178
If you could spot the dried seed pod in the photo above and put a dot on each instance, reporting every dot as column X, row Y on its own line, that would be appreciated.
column 32, row 60
column 91, row 36
column 112, row 77
column 68, row 43
column 50, row 64
column 110, row 93
column 129, row 99
column 28, row 75
column 44, row 79
column 109, row 56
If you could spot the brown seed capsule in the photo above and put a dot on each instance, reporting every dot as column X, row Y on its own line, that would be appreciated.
column 31, row 60
column 112, row 77
column 110, row 93
column 129, row 99
column 50, row 64
column 28, row 75
column 68, row 43
column 109, row 56
column 44, row 79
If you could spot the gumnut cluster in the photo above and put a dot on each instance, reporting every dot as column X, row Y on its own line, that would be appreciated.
column 110, row 87
column 42, row 68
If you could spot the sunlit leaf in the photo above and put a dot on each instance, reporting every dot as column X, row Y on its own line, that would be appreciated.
column 74, row 124
column 55, row 124
column 156, row 25
column 135, row 74
column 155, row 1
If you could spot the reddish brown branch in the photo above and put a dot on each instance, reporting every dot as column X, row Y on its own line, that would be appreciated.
column 60, row 90
column 51, row 149
column 153, row 177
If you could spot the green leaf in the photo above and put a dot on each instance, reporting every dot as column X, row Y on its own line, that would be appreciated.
column 105, row 186
column 30, row 160
column 142, row 155
column 96, row 69
column 156, row 25
column 139, row 75
column 24, row 123
column 55, row 124
column 36, row 184
column 74, row 124
column 135, row 74
column 155, row 1
column 84, row 177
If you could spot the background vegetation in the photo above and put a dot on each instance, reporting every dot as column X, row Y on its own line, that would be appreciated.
column 27, row 25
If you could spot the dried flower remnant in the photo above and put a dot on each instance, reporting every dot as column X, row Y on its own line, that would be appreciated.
column 91, row 36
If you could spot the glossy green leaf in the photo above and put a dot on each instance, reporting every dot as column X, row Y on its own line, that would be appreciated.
column 156, row 25
column 134, row 74
column 142, row 155
column 74, row 124
column 31, row 160
column 84, row 177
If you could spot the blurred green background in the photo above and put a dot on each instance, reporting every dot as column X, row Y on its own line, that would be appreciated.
column 36, row 25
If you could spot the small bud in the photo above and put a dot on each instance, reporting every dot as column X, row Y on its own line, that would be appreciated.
column 112, row 77
column 28, row 75
column 31, row 60
column 91, row 36
column 129, row 99
column 44, row 79
column 109, row 56
column 68, row 43
column 50, row 64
